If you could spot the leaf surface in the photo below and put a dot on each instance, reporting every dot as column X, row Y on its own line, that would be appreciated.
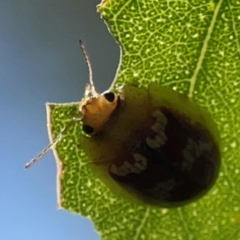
column 192, row 47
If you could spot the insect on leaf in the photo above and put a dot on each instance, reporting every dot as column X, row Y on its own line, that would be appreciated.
column 191, row 47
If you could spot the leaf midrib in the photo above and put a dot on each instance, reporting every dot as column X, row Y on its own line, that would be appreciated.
column 193, row 79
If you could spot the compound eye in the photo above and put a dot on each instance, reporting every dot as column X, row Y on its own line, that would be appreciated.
column 87, row 129
column 110, row 96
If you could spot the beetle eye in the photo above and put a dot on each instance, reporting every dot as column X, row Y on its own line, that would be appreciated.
column 87, row 129
column 110, row 96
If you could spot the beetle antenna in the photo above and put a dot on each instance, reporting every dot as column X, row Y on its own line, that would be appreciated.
column 89, row 90
column 85, row 54
column 44, row 151
column 51, row 145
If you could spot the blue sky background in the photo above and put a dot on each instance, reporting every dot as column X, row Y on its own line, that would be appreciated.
column 40, row 61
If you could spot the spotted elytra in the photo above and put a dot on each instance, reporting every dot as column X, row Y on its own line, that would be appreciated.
column 154, row 146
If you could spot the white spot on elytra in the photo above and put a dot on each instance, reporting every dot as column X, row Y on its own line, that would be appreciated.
column 114, row 169
column 141, row 161
column 158, row 127
column 188, row 158
column 152, row 143
column 201, row 146
column 138, row 166
column 127, row 167
column 157, row 113
column 160, row 117
column 193, row 150
column 160, row 139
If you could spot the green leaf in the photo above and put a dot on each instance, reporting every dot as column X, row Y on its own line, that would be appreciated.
column 192, row 47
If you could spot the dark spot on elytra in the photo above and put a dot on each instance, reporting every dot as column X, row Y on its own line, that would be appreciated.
column 165, row 164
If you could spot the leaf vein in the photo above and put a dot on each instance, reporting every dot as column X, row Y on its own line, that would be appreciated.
column 141, row 225
column 184, row 224
column 235, row 30
column 234, row 234
column 204, row 49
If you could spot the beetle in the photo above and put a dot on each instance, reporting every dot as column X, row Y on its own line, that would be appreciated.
column 153, row 145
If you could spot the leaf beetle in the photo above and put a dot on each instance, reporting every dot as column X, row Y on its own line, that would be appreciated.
column 153, row 145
